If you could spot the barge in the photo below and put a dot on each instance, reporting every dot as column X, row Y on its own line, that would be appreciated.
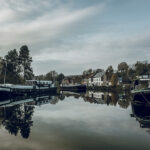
column 142, row 114
column 32, row 87
column 141, row 90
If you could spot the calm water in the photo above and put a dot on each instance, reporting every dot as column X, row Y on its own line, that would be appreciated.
column 69, row 121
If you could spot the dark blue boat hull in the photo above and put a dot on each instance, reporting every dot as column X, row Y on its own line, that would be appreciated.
column 141, row 97
column 5, row 95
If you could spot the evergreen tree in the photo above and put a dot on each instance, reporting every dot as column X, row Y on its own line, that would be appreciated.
column 25, row 61
column 11, row 67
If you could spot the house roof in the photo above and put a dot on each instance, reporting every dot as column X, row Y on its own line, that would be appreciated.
column 99, row 74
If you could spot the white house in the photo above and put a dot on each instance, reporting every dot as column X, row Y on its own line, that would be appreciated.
column 98, row 79
column 98, row 95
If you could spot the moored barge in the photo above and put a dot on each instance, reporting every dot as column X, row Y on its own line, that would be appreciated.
column 141, row 90
column 32, row 87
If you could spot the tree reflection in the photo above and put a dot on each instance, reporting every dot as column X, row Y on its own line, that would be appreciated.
column 114, row 98
column 16, row 113
column 124, row 100
column 98, row 97
column 107, row 98
column 61, row 97
column 124, row 103
column 18, row 118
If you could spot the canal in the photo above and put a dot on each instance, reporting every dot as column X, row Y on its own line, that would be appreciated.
column 73, row 121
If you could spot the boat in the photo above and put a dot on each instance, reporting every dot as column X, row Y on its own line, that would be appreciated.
column 5, row 92
column 141, row 90
column 31, row 87
column 28, row 100
column 142, row 114
column 141, row 95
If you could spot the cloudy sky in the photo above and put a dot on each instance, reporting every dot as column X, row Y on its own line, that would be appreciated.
column 70, row 36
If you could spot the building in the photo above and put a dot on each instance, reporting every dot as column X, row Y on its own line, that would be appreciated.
column 99, row 79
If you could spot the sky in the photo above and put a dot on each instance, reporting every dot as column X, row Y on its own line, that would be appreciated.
column 71, row 36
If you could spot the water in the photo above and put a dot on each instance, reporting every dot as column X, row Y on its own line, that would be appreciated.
column 69, row 121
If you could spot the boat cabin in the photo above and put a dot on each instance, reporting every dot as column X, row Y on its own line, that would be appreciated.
column 39, row 82
column 144, row 77
column 141, row 83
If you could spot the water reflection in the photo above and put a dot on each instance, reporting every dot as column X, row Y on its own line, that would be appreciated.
column 16, row 113
column 122, row 99
column 142, row 114
column 17, row 118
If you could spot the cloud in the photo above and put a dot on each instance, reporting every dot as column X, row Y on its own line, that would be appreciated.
column 97, row 51
column 70, row 36
column 44, row 28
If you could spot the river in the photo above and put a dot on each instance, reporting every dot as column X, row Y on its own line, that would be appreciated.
column 73, row 121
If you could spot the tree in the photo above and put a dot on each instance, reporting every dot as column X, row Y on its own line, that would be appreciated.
column 25, row 61
column 123, row 72
column 52, row 75
column 109, row 72
column 1, row 64
column 124, row 103
column 114, row 79
column 1, row 69
column 40, row 77
column 11, row 67
column 142, row 68
column 18, row 118
column 60, row 78
column 131, row 73
column 123, row 67
column 87, row 73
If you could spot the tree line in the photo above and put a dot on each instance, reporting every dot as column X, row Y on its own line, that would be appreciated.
column 53, row 76
column 15, row 68
column 124, row 72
